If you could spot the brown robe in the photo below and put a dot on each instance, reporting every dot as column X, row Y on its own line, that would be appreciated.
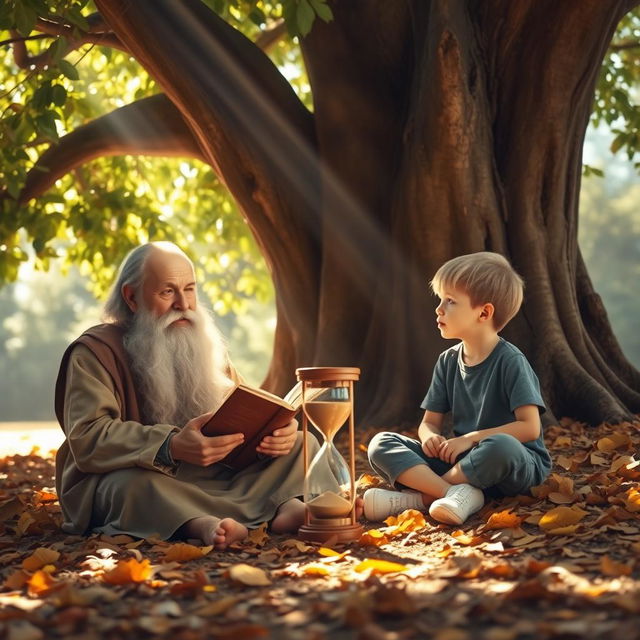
column 107, row 476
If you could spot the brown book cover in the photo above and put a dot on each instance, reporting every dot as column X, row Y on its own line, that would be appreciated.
column 254, row 412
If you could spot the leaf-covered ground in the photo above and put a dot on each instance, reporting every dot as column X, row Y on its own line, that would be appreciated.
column 562, row 564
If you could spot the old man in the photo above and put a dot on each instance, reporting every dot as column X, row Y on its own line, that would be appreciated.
column 132, row 395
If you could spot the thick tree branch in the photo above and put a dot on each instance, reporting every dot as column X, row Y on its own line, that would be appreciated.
column 269, row 37
column 152, row 126
column 625, row 44
column 245, row 114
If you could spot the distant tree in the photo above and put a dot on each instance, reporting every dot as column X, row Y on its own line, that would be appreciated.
column 438, row 128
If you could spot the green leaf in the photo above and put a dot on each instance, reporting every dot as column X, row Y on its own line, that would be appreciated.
column 305, row 16
column 25, row 18
column 68, row 70
column 257, row 16
column 58, row 95
column 322, row 9
column 46, row 124
column 58, row 49
column 619, row 141
column 41, row 97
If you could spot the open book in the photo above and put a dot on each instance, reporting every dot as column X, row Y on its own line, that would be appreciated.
column 254, row 412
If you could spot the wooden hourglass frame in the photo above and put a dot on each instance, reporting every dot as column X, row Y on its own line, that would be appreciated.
column 322, row 524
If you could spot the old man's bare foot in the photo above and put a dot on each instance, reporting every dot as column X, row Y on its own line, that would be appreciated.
column 214, row 531
column 289, row 517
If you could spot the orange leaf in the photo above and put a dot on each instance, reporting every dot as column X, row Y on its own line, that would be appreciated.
column 127, row 571
column 464, row 538
column 373, row 537
column 378, row 567
column 16, row 580
column 41, row 583
column 183, row 552
column 561, row 517
column 39, row 558
column 503, row 520
column 259, row 536
column 408, row 520
column 560, row 498
column 612, row 568
column 632, row 500
column 45, row 496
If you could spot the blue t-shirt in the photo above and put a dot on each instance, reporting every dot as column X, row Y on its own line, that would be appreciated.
column 487, row 394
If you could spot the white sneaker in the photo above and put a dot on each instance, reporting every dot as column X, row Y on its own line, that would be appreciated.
column 380, row 503
column 460, row 502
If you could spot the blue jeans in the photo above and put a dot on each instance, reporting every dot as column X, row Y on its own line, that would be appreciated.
column 499, row 464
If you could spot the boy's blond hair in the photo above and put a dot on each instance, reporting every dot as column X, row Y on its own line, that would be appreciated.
column 484, row 277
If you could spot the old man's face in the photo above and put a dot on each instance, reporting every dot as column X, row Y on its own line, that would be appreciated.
column 169, row 285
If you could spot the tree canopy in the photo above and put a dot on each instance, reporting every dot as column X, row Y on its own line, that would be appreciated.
column 417, row 131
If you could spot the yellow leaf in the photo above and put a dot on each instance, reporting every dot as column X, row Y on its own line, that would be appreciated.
column 561, row 517
column 373, row 537
column 465, row 539
column 183, row 552
column 246, row 574
column 564, row 531
column 613, row 441
column 503, row 520
column 408, row 520
column 41, row 583
column 127, row 571
column 378, row 567
column 39, row 558
column 325, row 551
column 315, row 570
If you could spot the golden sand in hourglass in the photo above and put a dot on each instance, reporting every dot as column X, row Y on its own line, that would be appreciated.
column 328, row 417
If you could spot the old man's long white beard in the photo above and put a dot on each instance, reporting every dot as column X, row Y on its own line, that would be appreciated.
column 180, row 370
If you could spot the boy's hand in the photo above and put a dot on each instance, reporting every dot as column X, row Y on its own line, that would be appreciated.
column 450, row 449
column 431, row 445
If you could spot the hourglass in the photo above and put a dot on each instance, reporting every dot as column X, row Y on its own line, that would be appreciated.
column 329, row 487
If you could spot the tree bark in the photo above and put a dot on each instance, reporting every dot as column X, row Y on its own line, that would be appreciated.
column 440, row 127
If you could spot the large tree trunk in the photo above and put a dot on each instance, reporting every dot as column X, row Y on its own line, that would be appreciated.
column 440, row 128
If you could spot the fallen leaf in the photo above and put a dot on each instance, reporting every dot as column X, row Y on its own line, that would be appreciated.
column 259, row 536
column 39, row 558
column 610, row 567
column 127, row 571
column 560, row 498
column 613, row 441
column 378, row 567
column 561, row 517
column 183, row 552
column 632, row 500
column 41, row 583
column 502, row 520
column 248, row 575
column 315, row 570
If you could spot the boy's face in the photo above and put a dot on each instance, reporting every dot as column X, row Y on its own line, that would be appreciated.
column 457, row 318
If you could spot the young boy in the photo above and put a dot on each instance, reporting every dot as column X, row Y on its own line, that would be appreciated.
column 494, row 397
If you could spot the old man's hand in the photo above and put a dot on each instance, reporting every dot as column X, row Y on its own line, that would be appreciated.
column 191, row 446
column 281, row 441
